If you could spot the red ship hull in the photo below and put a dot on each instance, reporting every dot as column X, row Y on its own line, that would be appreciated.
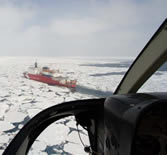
column 48, row 80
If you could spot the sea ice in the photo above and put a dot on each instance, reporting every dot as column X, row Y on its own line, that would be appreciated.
column 14, row 116
column 3, row 109
column 4, row 125
column 21, row 99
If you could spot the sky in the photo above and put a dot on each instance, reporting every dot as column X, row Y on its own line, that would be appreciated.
column 95, row 28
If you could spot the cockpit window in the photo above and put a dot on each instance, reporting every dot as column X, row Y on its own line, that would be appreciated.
column 61, row 137
column 157, row 82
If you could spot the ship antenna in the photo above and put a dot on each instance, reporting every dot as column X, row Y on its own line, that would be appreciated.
column 36, row 64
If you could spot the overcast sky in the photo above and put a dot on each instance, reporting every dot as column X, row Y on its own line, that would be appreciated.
column 78, row 27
